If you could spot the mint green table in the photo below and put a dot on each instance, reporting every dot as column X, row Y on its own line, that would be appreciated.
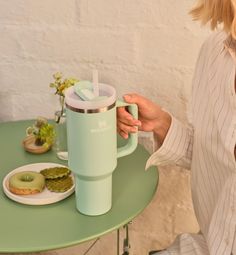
column 28, row 228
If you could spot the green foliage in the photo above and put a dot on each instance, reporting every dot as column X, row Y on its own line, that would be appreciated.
column 46, row 135
column 43, row 132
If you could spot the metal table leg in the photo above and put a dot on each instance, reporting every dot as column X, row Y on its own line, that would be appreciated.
column 126, row 243
column 118, row 241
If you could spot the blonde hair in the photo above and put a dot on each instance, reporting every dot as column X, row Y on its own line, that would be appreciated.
column 217, row 12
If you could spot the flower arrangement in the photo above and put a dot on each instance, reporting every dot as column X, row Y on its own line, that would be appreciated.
column 43, row 132
column 61, row 84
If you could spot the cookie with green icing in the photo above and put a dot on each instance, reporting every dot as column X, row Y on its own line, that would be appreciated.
column 55, row 172
column 60, row 184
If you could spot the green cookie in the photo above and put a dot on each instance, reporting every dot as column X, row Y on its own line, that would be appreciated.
column 55, row 172
column 60, row 184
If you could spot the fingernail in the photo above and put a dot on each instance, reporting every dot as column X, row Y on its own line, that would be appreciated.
column 134, row 129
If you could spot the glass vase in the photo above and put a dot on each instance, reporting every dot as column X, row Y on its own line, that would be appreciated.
column 61, row 136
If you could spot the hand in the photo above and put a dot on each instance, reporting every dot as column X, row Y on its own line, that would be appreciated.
column 151, row 118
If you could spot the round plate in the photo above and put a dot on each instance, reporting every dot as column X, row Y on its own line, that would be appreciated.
column 43, row 198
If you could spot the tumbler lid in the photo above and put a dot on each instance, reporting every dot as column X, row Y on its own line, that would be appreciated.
column 107, row 97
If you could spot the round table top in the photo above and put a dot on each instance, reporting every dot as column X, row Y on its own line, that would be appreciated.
column 32, row 228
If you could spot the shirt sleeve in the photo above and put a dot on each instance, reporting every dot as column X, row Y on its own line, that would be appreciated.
column 176, row 148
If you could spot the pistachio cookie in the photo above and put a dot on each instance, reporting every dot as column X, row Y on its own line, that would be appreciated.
column 59, row 184
column 55, row 172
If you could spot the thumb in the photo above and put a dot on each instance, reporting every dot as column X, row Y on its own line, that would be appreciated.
column 134, row 99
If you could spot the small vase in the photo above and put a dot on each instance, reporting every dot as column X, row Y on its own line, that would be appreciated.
column 61, row 136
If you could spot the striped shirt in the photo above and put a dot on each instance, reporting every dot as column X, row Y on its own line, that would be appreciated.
column 207, row 147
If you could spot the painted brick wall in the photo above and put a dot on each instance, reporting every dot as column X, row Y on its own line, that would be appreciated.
column 148, row 47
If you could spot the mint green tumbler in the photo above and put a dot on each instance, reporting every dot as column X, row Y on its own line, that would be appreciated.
column 92, row 147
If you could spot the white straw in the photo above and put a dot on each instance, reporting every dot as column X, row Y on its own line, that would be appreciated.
column 95, row 83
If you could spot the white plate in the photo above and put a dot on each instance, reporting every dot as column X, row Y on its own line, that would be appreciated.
column 43, row 198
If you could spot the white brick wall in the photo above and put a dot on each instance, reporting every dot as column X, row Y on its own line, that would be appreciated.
column 149, row 47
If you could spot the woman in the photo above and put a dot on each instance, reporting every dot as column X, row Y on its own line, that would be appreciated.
column 207, row 145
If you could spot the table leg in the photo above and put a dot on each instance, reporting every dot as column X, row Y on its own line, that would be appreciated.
column 126, row 243
column 90, row 247
column 118, row 241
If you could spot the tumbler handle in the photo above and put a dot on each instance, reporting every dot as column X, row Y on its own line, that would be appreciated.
column 133, row 137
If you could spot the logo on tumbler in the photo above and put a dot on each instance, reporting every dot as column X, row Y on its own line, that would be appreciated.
column 102, row 126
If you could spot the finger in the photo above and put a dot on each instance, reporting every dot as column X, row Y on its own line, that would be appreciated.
column 125, row 117
column 143, row 103
column 126, row 128
column 134, row 98
column 124, row 135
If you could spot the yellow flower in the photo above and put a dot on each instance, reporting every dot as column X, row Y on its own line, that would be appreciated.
column 60, row 85
column 57, row 76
